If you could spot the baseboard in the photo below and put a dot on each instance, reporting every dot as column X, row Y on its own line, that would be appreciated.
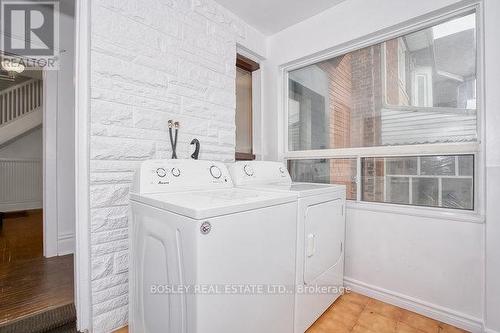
column 20, row 206
column 445, row 315
column 488, row 330
column 65, row 244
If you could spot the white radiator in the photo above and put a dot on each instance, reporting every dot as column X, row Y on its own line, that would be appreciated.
column 21, row 184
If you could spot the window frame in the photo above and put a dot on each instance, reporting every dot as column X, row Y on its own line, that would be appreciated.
column 251, row 66
column 474, row 148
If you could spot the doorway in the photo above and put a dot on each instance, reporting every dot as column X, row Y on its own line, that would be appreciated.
column 37, row 208
column 30, row 282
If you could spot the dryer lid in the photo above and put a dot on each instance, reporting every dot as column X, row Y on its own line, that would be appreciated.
column 299, row 189
column 259, row 172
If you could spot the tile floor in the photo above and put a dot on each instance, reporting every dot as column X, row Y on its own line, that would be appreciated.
column 360, row 314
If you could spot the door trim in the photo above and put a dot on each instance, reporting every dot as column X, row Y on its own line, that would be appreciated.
column 49, row 129
column 83, row 299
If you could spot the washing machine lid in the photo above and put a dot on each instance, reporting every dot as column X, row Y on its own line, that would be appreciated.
column 206, row 204
column 299, row 189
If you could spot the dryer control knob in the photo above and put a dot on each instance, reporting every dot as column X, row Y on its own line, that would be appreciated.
column 248, row 170
column 176, row 172
column 282, row 170
column 161, row 172
column 215, row 171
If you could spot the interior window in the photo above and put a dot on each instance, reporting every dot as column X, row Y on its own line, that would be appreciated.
column 415, row 91
column 419, row 88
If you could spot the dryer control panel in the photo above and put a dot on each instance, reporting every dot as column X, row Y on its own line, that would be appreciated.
column 259, row 172
column 157, row 176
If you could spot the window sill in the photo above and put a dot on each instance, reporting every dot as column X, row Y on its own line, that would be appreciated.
column 244, row 156
column 427, row 212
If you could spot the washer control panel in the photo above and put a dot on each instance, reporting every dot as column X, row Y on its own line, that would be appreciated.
column 161, row 172
column 156, row 176
column 248, row 170
column 176, row 172
column 215, row 171
column 259, row 172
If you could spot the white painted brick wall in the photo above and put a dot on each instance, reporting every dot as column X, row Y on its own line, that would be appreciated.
column 151, row 61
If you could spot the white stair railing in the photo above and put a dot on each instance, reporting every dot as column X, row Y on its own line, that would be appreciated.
column 20, row 100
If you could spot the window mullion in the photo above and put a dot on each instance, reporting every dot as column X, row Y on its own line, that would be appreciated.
column 358, row 179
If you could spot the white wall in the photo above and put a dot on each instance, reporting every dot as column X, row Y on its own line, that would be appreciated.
column 431, row 265
column 151, row 62
column 492, row 30
column 433, row 262
column 27, row 146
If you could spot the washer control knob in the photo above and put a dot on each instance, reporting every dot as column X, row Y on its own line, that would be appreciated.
column 176, row 172
column 248, row 170
column 161, row 172
column 282, row 170
column 215, row 171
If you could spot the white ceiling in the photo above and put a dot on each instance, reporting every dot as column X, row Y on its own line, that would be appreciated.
column 271, row 16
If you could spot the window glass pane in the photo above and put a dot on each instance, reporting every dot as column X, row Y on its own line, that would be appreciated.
column 416, row 89
column 433, row 181
column 465, row 166
column 425, row 191
column 398, row 190
column 401, row 166
column 243, row 111
column 437, row 165
column 329, row 171
column 458, row 193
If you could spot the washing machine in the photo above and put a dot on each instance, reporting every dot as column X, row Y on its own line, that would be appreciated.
column 207, row 257
column 320, row 235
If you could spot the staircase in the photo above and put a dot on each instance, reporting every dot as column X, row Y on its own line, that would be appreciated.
column 20, row 109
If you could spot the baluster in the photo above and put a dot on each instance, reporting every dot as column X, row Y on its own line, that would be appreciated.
column 40, row 93
column 14, row 104
column 10, row 105
column 35, row 88
column 4, row 112
column 26, row 99
column 35, row 85
column 32, row 101
column 4, row 104
column 19, row 100
column 1, row 109
column 34, row 95
column 22, row 100
column 7, row 107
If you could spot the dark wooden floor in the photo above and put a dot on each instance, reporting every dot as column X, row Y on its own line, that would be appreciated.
column 21, row 236
column 30, row 283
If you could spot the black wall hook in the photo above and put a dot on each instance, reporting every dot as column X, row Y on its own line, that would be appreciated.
column 196, row 150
